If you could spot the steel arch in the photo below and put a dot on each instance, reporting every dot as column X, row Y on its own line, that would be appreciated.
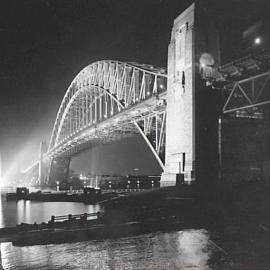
column 101, row 91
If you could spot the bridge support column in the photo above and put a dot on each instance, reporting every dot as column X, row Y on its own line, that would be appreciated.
column 59, row 171
column 193, row 40
column 42, row 166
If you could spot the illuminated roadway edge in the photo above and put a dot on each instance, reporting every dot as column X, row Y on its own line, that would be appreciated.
column 117, row 127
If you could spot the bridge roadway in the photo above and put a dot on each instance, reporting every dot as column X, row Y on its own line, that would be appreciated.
column 115, row 128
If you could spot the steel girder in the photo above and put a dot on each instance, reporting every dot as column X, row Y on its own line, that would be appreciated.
column 152, row 128
column 244, row 83
column 107, row 101
column 245, row 98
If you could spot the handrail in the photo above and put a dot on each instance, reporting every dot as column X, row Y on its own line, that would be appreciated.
column 72, row 217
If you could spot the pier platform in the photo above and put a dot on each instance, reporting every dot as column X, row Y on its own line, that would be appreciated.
column 87, row 195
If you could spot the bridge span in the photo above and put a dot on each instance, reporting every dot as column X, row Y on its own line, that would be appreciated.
column 107, row 101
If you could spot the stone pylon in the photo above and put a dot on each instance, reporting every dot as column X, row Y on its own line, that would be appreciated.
column 193, row 49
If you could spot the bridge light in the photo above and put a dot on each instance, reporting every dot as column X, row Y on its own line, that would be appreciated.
column 257, row 41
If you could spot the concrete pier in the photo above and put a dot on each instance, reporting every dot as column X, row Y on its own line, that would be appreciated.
column 192, row 39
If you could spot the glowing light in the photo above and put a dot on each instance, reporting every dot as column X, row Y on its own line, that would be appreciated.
column 257, row 40
column 161, row 86
column 148, row 93
column 111, row 112
column 83, row 177
column 206, row 59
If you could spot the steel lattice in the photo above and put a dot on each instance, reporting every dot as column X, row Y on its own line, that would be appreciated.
column 104, row 102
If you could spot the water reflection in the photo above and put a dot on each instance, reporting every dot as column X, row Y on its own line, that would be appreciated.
column 23, row 210
column 16, row 212
column 176, row 250
column 28, row 211
column 194, row 248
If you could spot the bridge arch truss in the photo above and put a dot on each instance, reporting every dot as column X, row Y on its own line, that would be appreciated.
column 108, row 99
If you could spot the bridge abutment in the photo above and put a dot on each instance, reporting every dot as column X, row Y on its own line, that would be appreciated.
column 190, row 123
column 59, row 170
column 42, row 166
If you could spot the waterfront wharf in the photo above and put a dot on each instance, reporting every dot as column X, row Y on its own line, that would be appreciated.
column 87, row 195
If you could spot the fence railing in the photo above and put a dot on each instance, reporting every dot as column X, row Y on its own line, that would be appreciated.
column 81, row 217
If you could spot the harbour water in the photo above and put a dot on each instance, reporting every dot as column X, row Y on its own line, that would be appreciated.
column 16, row 212
column 176, row 250
column 173, row 250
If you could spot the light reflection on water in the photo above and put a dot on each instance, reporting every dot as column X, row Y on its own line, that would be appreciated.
column 16, row 212
column 176, row 250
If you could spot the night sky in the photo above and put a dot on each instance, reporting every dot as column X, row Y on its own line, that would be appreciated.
column 45, row 43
